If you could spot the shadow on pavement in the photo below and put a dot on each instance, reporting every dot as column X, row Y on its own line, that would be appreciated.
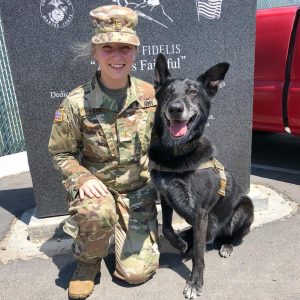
column 16, row 197
column 65, row 263
column 16, row 201
column 13, row 203
column 66, row 266
column 276, row 156
column 276, row 175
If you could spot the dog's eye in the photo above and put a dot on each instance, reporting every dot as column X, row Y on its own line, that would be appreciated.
column 169, row 92
column 192, row 92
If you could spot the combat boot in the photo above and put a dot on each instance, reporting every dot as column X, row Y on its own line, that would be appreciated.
column 82, row 283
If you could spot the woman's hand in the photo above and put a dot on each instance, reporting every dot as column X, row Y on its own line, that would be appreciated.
column 93, row 188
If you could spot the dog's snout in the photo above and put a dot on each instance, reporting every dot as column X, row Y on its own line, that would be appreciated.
column 175, row 108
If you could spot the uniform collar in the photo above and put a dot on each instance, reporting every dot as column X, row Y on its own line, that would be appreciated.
column 99, row 99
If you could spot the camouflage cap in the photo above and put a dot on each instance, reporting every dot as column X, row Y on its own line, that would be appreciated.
column 114, row 24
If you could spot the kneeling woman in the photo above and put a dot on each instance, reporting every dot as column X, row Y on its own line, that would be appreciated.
column 99, row 142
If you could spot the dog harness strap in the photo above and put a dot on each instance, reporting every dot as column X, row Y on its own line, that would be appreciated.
column 154, row 166
column 212, row 163
column 218, row 168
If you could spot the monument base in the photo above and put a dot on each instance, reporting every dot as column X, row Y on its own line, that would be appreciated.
column 268, row 206
column 46, row 228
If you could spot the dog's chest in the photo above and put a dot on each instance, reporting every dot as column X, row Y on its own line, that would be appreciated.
column 175, row 192
column 161, row 180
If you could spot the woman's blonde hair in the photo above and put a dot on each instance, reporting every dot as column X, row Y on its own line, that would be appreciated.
column 82, row 51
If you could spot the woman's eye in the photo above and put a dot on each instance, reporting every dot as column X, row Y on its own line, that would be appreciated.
column 107, row 48
column 126, row 49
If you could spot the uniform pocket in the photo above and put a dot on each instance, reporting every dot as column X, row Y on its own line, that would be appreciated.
column 143, row 213
column 137, row 209
column 94, row 142
column 143, row 197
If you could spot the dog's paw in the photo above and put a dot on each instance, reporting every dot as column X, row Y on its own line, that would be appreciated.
column 192, row 290
column 226, row 250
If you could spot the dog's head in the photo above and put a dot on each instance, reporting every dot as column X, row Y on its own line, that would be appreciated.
column 183, row 104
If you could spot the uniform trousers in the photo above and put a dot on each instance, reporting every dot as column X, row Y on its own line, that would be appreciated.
column 130, row 218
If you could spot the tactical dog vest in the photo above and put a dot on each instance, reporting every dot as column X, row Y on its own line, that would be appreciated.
column 212, row 163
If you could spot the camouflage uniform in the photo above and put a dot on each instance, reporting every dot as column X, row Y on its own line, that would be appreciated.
column 111, row 146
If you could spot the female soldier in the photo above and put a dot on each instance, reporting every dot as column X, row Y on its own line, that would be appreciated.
column 99, row 143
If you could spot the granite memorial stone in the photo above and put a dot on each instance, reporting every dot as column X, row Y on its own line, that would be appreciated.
column 193, row 35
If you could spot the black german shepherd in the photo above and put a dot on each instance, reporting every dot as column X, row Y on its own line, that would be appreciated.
column 206, row 197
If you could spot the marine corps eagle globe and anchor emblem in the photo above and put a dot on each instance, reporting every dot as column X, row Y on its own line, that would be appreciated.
column 57, row 13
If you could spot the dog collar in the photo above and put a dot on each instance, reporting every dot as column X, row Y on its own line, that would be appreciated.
column 185, row 148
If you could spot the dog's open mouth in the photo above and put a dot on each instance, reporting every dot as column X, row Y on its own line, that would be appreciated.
column 179, row 128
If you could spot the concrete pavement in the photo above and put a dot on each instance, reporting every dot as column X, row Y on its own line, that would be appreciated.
column 265, row 266
column 16, row 196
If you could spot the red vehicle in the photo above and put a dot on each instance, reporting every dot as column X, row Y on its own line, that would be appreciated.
column 277, row 68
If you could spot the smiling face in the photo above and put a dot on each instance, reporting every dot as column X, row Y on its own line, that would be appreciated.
column 115, row 61
column 183, row 110
column 183, row 104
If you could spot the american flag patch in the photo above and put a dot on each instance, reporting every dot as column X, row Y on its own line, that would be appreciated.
column 58, row 117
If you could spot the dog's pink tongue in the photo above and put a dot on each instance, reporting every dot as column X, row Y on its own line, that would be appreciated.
column 178, row 128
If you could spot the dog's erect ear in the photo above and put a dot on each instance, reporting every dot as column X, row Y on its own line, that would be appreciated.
column 161, row 71
column 211, row 78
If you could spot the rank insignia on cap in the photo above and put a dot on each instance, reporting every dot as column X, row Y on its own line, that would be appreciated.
column 58, row 117
column 117, row 24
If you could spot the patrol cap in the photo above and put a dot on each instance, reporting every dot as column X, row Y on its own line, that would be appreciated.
column 114, row 24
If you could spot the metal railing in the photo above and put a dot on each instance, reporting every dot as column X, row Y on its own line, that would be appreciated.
column 11, row 134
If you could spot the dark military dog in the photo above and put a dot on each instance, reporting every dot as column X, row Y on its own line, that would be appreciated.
column 194, row 193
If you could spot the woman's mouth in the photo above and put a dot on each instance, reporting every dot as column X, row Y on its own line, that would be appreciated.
column 117, row 66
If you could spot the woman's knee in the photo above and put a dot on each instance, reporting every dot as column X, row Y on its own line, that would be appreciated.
column 94, row 214
column 101, row 210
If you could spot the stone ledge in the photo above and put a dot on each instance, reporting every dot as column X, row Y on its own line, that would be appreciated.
column 46, row 228
column 268, row 206
column 50, row 240
column 52, row 227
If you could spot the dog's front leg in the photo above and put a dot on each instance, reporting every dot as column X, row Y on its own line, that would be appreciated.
column 195, row 283
column 168, row 231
